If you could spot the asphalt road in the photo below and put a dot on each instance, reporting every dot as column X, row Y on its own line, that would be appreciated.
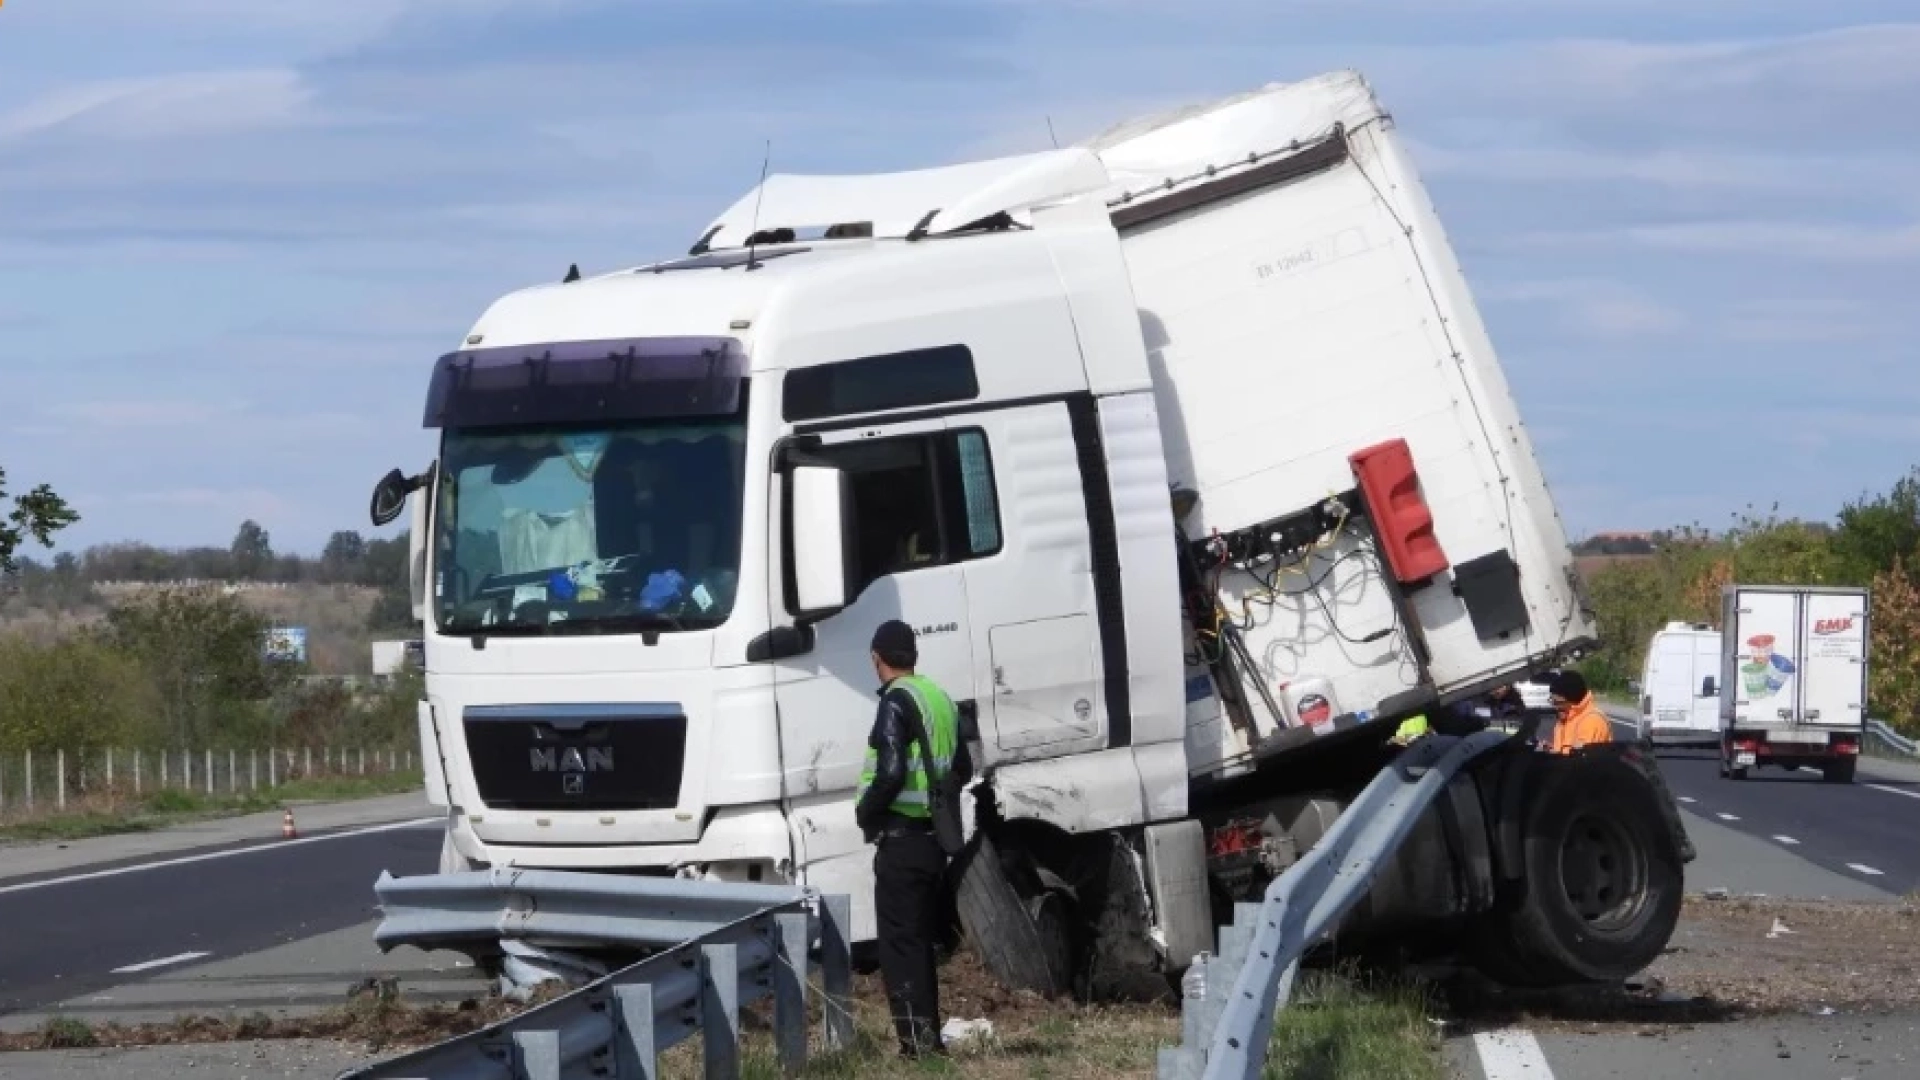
column 1864, row 830
column 69, row 936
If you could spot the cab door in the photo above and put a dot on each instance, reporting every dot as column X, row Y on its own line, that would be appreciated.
column 905, row 570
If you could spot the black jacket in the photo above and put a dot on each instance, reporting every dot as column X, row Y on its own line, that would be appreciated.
column 892, row 739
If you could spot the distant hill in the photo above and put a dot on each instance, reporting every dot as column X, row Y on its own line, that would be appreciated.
column 337, row 618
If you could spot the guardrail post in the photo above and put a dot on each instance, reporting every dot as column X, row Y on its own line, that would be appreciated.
column 634, row 1055
column 60, row 779
column 790, row 992
column 536, row 1055
column 719, row 1010
column 836, row 970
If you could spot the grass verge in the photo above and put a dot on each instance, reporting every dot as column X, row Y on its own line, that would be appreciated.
column 173, row 806
column 1339, row 1029
column 1336, row 1030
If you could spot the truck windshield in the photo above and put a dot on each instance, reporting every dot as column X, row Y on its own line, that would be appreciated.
column 606, row 529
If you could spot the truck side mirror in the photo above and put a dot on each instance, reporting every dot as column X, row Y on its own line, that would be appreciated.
column 822, row 539
column 1709, row 688
column 390, row 496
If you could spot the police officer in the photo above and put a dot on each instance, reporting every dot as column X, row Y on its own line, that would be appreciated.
column 909, row 866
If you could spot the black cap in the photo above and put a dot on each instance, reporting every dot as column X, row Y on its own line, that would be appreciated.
column 895, row 642
column 1568, row 685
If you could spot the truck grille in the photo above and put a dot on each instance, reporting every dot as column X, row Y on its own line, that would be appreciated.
column 575, row 757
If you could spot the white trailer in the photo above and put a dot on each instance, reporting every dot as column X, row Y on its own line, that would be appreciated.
column 1185, row 452
column 1793, row 678
column 1680, row 686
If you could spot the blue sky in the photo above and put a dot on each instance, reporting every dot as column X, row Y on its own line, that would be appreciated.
column 235, row 233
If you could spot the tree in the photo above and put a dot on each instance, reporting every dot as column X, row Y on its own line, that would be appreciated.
column 205, row 653
column 1876, row 533
column 252, row 552
column 35, row 516
column 340, row 559
column 1893, row 673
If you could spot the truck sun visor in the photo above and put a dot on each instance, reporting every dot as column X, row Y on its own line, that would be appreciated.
column 587, row 381
column 1391, row 487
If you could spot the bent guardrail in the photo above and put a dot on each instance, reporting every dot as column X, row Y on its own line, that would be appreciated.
column 1225, row 1034
column 724, row 946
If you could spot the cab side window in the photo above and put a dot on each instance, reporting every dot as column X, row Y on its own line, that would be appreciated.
column 920, row 501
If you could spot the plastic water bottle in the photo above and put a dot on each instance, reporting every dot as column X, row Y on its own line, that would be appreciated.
column 1193, row 985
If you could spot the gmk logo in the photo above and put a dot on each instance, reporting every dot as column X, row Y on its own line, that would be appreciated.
column 1833, row 626
column 596, row 759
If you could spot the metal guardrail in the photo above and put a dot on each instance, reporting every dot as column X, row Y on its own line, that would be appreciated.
column 1224, row 1033
column 1881, row 732
column 725, row 946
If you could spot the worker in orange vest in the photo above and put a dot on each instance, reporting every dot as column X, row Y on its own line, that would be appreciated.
column 1581, row 721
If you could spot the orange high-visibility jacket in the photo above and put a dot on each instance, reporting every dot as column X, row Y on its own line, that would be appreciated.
column 1581, row 725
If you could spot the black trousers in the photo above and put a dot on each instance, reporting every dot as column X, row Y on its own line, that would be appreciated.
column 909, row 872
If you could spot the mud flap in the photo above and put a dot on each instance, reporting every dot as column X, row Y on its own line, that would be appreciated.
column 1644, row 763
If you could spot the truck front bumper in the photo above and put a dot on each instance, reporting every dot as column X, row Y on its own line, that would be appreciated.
column 739, row 843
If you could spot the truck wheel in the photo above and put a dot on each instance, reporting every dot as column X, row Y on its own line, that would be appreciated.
column 1837, row 772
column 1017, row 924
column 1603, row 879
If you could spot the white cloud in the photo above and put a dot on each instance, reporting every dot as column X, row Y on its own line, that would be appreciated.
column 142, row 413
column 1834, row 242
column 169, row 106
column 1594, row 307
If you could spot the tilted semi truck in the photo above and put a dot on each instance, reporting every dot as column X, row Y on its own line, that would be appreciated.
column 1184, row 451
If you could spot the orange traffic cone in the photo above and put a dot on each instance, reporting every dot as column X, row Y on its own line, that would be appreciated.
column 287, row 831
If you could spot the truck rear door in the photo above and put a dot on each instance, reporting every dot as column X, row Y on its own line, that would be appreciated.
column 1833, row 667
column 1765, row 631
column 1670, row 685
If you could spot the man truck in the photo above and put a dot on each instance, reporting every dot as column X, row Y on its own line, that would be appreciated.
column 1185, row 452
column 1793, row 679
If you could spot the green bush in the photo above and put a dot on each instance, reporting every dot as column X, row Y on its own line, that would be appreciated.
column 77, row 695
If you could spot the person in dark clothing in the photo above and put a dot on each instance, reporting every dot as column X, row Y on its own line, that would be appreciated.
column 1502, row 704
column 894, row 813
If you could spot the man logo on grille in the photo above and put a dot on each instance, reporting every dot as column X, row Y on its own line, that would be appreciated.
column 570, row 760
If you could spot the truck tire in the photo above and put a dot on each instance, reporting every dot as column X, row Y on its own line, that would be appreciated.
column 1603, row 879
column 1020, row 927
column 1839, row 771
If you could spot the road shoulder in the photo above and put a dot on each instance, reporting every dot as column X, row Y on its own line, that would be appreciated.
column 40, row 858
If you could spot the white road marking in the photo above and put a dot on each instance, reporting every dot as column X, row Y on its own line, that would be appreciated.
column 1786, row 839
column 1808, row 768
column 1864, row 869
column 1688, row 798
column 162, row 962
column 276, row 845
column 1893, row 790
column 1727, row 817
column 1511, row 1055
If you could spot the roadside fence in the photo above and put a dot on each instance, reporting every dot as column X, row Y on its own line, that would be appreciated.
column 38, row 783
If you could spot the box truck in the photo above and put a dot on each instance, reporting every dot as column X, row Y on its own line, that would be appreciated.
column 1793, row 678
column 1680, row 687
column 1184, row 451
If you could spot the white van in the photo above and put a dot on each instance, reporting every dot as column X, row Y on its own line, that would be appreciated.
column 1680, row 687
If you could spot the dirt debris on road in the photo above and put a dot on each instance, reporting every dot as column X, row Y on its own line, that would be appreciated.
column 1731, row 959
column 1842, row 956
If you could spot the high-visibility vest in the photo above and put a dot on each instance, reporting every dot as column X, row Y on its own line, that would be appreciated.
column 1413, row 727
column 942, row 723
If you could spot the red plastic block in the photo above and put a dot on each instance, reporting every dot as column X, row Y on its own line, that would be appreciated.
column 1391, row 487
